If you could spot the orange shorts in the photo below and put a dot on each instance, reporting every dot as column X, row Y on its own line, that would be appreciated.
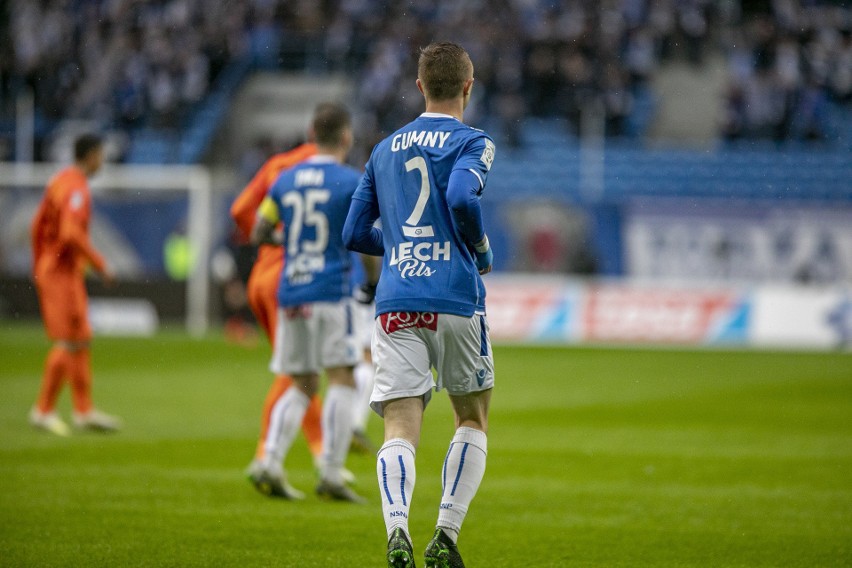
column 64, row 306
column 262, row 290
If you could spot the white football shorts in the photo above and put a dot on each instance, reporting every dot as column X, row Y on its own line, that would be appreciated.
column 313, row 337
column 408, row 345
column 364, row 315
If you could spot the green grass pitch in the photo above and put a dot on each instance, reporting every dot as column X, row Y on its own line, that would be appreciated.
column 597, row 457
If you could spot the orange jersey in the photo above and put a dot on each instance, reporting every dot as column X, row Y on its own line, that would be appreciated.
column 60, row 229
column 244, row 208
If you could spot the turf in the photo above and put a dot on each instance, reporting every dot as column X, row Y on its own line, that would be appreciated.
column 597, row 457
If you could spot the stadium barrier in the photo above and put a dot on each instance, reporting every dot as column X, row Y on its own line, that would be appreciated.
column 556, row 310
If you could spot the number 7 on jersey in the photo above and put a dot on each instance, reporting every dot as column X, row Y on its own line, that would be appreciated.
column 411, row 228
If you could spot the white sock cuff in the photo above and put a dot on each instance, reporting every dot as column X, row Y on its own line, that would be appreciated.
column 297, row 395
column 342, row 389
column 472, row 436
column 400, row 442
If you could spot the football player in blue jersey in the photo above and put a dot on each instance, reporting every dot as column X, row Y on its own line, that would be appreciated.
column 315, row 318
column 424, row 183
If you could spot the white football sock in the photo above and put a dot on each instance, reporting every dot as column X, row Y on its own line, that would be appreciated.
column 285, row 420
column 396, row 474
column 464, row 467
column 336, row 431
column 364, row 374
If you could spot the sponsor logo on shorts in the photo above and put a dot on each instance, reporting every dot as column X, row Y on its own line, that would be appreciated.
column 298, row 312
column 395, row 321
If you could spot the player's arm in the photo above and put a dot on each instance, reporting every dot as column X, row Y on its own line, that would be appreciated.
column 359, row 231
column 264, row 231
column 464, row 190
column 366, row 293
column 73, row 234
column 35, row 234
column 244, row 208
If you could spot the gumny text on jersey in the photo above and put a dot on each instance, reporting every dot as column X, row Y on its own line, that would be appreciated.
column 430, row 139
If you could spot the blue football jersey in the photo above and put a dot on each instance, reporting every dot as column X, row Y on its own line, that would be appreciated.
column 426, row 266
column 313, row 199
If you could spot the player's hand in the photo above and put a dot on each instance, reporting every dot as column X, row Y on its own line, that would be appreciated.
column 365, row 294
column 484, row 255
column 484, row 260
column 108, row 277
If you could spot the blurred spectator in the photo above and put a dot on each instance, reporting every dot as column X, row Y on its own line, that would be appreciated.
column 124, row 62
column 787, row 65
column 135, row 63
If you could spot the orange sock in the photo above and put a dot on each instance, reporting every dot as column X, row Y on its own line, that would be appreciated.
column 312, row 427
column 56, row 366
column 279, row 385
column 81, row 381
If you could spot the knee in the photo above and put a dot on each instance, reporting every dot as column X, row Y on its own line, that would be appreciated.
column 308, row 384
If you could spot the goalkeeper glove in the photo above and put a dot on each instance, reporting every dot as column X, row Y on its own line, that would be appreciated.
column 484, row 256
column 365, row 294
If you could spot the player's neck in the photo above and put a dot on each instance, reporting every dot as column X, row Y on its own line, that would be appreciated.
column 84, row 167
column 338, row 154
column 452, row 107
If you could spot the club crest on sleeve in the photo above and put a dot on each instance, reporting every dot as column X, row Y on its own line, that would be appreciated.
column 487, row 157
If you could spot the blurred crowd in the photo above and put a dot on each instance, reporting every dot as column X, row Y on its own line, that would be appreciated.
column 785, row 69
column 121, row 62
column 129, row 63
column 551, row 58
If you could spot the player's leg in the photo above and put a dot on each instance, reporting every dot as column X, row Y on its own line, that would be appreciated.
column 339, row 354
column 287, row 415
column 276, row 390
column 296, row 358
column 397, row 474
column 261, row 291
column 43, row 414
column 269, row 477
column 57, row 365
column 85, row 414
column 80, row 369
column 464, row 464
column 364, row 375
column 466, row 369
column 403, row 387
column 338, row 405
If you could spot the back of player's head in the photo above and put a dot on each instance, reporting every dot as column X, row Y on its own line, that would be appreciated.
column 329, row 123
column 85, row 145
column 443, row 69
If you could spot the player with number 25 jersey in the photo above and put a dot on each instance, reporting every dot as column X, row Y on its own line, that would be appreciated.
column 311, row 198
column 315, row 324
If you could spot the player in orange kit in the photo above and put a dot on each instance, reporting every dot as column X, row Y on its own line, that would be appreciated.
column 262, row 288
column 61, row 254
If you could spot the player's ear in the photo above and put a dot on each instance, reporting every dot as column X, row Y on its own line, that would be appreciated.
column 420, row 88
column 468, row 85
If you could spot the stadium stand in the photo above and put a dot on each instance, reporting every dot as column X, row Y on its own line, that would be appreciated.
column 167, row 73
